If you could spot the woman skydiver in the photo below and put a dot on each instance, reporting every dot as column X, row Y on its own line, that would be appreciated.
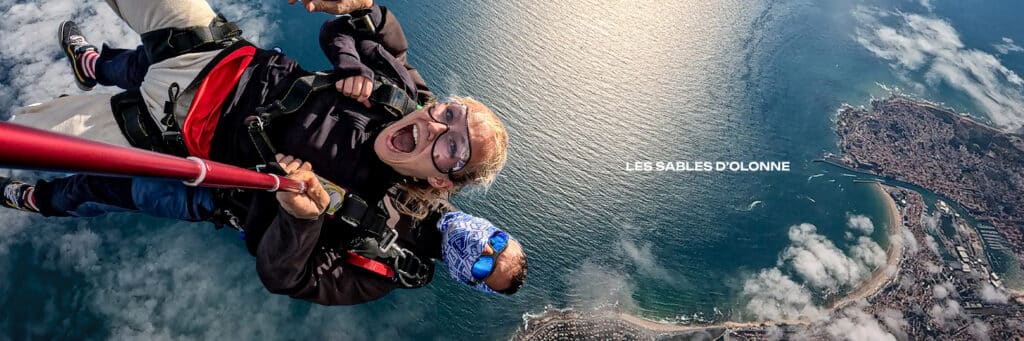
column 430, row 153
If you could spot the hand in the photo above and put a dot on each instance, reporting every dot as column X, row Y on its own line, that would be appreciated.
column 309, row 204
column 290, row 164
column 357, row 87
column 334, row 6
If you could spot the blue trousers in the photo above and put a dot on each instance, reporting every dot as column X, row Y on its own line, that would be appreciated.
column 122, row 68
column 92, row 195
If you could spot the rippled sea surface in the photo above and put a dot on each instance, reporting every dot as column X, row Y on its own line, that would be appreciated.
column 585, row 88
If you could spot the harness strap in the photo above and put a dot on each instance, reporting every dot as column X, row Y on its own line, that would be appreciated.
column 167, row 43
column 136, row 124
column 393, row 99
column 369, row 264
column 171, row 135
column 163, row 134
column 362, row 24
column 260, row 141
column 409, row 270
column 390, row 97
column 384, row 257
column 404, row 267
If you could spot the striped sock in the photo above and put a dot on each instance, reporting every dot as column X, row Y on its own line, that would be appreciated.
column 88, row 62
column 30, row 199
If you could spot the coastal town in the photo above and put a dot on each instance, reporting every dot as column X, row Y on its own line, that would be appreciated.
column 939, row 282
column 975, row 165
column 943, row 296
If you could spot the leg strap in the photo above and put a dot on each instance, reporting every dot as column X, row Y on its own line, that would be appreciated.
column 167, row 43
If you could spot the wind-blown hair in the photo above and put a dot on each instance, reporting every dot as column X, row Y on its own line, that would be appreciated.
column 480, row 172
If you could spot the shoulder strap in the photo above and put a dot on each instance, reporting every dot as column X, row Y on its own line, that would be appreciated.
column 392, row 98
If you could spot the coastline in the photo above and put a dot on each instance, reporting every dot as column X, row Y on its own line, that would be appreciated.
column 888, row 272
column 878, row 280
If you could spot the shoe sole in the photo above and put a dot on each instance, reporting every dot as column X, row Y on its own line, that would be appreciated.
column 79, row 76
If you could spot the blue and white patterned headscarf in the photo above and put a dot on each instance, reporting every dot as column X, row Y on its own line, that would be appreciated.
column 464, row 239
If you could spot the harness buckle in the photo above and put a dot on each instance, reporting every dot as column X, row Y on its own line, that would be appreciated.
column 348, row 218
column 363, row 24
column 256, row 122
column 408, row 270
column 388, row 240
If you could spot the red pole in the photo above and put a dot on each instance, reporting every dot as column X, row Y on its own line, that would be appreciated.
column 29, row 148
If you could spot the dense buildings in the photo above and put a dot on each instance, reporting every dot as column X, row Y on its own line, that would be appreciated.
column 977, row 166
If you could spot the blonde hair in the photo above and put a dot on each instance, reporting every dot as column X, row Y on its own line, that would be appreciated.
column 422, row 198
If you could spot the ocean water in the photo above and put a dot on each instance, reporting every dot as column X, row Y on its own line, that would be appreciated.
column 585, row 88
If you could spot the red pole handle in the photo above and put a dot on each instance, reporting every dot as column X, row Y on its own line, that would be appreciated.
column 29, row 148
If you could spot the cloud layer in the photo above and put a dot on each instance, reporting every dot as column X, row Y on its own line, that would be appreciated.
column 930, row 45
column 34, row 70
column 131, row 277
column 818, row 263
column 823, row 265
column 1007, row 46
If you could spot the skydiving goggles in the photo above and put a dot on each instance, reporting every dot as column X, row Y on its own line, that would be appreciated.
column 484, row 265
column 451, row 150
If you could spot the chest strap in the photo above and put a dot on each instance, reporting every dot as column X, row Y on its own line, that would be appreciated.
column 376, row 248
column 370, row 265
column 385, row 94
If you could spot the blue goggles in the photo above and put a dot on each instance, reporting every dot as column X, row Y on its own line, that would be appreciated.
column 484, row 266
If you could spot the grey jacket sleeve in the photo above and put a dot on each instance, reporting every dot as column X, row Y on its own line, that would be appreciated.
column 290, row 262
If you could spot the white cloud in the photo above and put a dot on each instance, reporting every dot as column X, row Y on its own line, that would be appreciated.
column 868, row 252
column 255, row 18
column 775, row 296
column 943, row 290
column 78, row 250
column 819, row 262
column 991, row 294
column 33, row 69
column 909, row 240
column 854, row 324
column 931, row 221
column 860, row 223
column 597, row 287
column 645, row 261
column 943, row 314
column 980, row 330
column 933, row 46
column 1007, row 46
column 145, row 278
column 894, row 321
column 927, row 4
column 932, row 244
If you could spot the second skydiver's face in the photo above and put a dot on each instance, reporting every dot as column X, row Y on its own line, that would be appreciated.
column 506, row 265
column 430, row 142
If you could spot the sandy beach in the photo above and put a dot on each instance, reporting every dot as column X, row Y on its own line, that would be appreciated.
column 673, row 327
column 885, row 273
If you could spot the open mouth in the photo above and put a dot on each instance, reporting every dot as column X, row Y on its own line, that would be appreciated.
column 404, row 140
